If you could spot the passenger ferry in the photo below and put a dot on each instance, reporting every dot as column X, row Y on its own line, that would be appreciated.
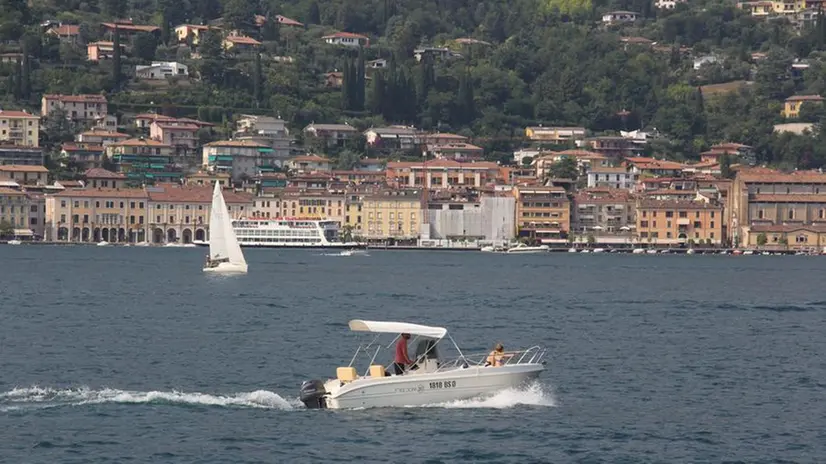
column 289, row 233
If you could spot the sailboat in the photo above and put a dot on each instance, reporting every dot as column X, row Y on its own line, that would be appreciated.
column 224, row 252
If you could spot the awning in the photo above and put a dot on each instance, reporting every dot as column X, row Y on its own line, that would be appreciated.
column 357, row 325
column 23, row 232
column 265, row 150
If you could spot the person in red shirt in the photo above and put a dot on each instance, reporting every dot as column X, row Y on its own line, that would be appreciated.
column 401, row 360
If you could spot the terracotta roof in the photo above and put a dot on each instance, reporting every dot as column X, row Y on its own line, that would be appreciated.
column 22, row 168
column 172, row 193
column 236, row 143
column 676, row 204
column 131, row 27
column 442, row 163
column 172, row 125
column 242, row 40
column 66, row 29
column 83, row 147
column 103, row 193
column 287, row 21
column 673, row 192
column 86, row 98
column 768, row 176
column 17, row 114
column 140, row 143
column 788, row 228
column 608, row 170
column 8, row 191
column 345, row 35
column 444, row 135
column 103, row 133
column 456, row 146
column 581, row 154
column 602, row 195
column 100, row 173
column 804, row 98
column 310, row 158
column 103, row 43
column 199, row 27
column 332, row 127
column 788, row 198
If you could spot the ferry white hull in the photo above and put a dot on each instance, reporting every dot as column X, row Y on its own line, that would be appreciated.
column 349, row 245
column 227, row 268
column 421, row 389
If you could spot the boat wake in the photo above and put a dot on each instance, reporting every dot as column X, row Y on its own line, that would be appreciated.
column 42, row 398
column 533, row 394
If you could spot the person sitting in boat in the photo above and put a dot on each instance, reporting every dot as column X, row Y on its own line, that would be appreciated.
column 215, row 262
column 498, row 357
column 402, row 360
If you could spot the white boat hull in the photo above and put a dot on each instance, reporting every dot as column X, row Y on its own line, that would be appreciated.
column 428, row 388
column 227, row 268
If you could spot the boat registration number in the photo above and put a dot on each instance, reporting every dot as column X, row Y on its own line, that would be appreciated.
column 445, row 384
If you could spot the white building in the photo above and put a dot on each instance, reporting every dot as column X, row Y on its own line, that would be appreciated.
column 266, row 130
column 469, row 223
column 347, row 39
column 668, row 4
column 614, row 17
column 616, row 178
column 161, row 70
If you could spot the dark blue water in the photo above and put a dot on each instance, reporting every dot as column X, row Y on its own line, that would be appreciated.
column 133, row 354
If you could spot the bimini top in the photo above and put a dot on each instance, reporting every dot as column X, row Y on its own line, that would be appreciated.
column 357, row 325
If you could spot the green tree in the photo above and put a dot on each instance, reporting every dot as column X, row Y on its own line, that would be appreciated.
column 238, row 15
column 6, row 229
column 256, row 79
column 725, row 166
column 144, row 46
column 564, row 169
column 116, row 64
column 14, row 15
column 347, row 160
column 762, row 239
column 115, row 9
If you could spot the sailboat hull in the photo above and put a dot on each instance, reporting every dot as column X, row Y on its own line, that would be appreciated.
column 228, row 268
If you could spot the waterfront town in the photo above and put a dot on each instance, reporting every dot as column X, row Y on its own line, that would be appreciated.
column 151, row 183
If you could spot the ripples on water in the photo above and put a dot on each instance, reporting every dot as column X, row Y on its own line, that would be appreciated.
column 133, row 354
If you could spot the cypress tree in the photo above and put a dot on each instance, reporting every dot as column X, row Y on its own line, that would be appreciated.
column 25, row 75
column 346, row 86
column 116, row 65
column 256, row 79
column 376, row 101
column 358, row 102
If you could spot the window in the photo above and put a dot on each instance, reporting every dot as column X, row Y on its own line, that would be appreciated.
column 171, row 219
column 131, row 204
column 75, row 218
column 141, row 204
column 643, row 234
column 712, row 224
column 121, row 204
column 712, row 215
column 140, row 220
column 187, row 206
column 131, row 219
column 711, row 235
column 669, row 214
column 698, row 224
column 668, row 224
column 62, row 203
column 696, row 235
column 62, row 218
column 697, row 214
column 655, row 224
column 33, row 221
column 85, row 218
column 77, row 204
column 158, row 207
column 668, row 235
column 791, row 214
column 644, row 213
column 655, row 234
column 186, row 220
column 683, row 214
column 157, row 219
column 801, row 239
column 760, row 214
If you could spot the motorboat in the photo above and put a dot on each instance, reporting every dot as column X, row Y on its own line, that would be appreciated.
column 571, row 250
column 585, row 251
column 103, row 243
column 651, row 251
column 14, row 242
column 225, row 254
column 432, row 379
column 638, row 251
column 523, row 248
column 690, row 251
column 493, row 249
column 599, row 250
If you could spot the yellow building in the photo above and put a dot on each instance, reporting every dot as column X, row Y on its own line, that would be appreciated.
column 20, row 128
column 676, row 222
column 21, row 212
column 787, row 237
column 192, row 32
column 94, row 215
column 792, row 105
column 388, row 214
column 542, row 213
column 554, row 134
column 312, row 204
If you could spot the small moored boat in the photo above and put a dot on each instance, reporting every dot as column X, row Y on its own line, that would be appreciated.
column 522, row 248
column 433, row 378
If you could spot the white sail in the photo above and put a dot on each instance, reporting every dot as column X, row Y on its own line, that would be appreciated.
column 222, row 240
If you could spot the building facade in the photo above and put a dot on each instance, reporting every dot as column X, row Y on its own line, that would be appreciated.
column 543, row 213
column 77, row 107
column 19, row 128
column 679, row 222
column 242, row 159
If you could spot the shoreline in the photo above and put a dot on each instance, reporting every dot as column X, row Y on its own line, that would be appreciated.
column 583, row 250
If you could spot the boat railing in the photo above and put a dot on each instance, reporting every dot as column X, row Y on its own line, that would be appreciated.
column 532, row 355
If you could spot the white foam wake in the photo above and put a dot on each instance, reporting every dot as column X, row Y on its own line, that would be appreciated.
column 40, row 397
column 533, row 394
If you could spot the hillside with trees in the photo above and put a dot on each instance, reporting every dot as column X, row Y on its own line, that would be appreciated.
column 510, row 64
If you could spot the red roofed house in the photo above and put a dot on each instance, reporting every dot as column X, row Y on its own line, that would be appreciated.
column 101, row 137
column 101, row 178
column 347, row 39
column 791, row 108
column 285, row 21
column 734, row 150
column 456, row 151
column 77, row 107
column 85, row 155
column 24, row 174
column 128, row 29
column 69, row 33
column 444, row 173
column 192, row 32
column 175, row 133
column 240, row 43
column 309, row 163
column 442, row 138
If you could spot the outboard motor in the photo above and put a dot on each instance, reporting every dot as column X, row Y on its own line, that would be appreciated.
column 312, row 394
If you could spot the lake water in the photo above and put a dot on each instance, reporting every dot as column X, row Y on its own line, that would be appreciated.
column 134, row 354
